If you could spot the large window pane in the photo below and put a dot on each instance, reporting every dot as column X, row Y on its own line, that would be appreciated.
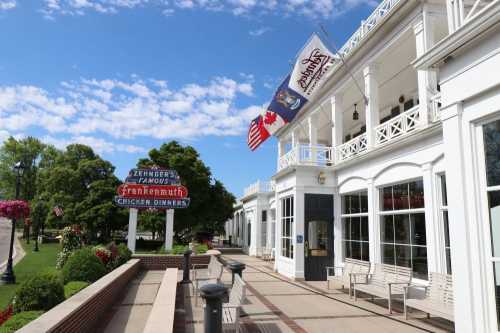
column 496, row 267
column 418, row 229
column 419, row 259
column 387, row 229
column 388, row 254
column 346, row 204
column 417, row 194
column 347, row 249
column 387, row 202
column 402, row 229
column 400, row 193
column 492, row 152
column 355, row 228
column 365, row 251
column 403, row 255
column 494, row 204
column 446, row 229
column 355, row 204
column 356, row 250
column 444, row 191
column 364, row 228
column 364, row 202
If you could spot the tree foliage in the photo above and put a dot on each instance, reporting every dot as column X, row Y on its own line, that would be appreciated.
column 211, row 204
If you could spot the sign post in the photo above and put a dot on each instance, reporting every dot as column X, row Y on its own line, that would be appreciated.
column 153, row 188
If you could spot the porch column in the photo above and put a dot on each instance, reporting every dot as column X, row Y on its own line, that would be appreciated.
column 427, row 79
column 169, row 230
column 431, row 224
column 295, row 138
column 312, row 122
column 337, row 120
column 281, row 151
column 132, row 229
column 373, row 223
column 372, row 107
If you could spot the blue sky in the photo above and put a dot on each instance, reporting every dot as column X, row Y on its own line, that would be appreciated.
column 123, row 76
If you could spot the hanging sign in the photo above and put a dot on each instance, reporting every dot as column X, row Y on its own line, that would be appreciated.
column 153, row 177
column 152, row 188
column 152, row 191
column 152, row 203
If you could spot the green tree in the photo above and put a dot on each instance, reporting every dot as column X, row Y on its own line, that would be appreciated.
column 83, row 184
column 153, row 221
column 30, row 151
column 211, row 204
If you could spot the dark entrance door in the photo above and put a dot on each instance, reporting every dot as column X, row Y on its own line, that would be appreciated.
column 318, row 242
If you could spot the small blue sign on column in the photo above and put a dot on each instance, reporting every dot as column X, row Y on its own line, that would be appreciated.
column 300, row 239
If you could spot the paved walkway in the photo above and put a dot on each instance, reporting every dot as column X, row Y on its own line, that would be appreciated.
column 131, row 313
column 276, row 304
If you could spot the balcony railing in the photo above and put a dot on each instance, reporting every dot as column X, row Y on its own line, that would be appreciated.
column 259, row 187
column 395, row 127
column 366, row 26
column 436, row 107
column 477, row 8
column 307, row 155
column 352, row 148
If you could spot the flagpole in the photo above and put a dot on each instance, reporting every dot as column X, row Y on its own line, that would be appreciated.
column 341, row 56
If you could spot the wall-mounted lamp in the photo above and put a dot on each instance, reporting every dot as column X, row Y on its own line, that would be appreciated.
column 321, row 178
column 355, row 114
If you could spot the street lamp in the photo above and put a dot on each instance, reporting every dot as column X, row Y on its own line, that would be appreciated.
column 8, row 276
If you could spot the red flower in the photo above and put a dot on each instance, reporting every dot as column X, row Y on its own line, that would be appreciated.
column 6, row 314
column 14, row 209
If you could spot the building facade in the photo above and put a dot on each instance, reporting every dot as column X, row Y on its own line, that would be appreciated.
column 398, row 160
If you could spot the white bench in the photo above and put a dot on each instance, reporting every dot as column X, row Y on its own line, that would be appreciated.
column 231, row 310
column 385, row 281
column 201, row 277
column 348, row 273
column 437, row 299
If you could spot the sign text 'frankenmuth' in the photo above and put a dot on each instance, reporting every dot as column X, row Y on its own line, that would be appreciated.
column 152, row 191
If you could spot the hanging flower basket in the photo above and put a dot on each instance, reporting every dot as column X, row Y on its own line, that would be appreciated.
column 14, row 209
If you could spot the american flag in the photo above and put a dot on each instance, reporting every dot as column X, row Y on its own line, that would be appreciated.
column 58, row 211
column 257, row 133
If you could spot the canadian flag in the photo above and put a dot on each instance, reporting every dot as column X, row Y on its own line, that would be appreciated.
column 273, row 121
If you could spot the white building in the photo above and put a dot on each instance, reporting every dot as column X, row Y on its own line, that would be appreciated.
column 410, row 175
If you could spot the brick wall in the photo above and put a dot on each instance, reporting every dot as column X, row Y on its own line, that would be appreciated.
column 162, row 262
column 83, row 311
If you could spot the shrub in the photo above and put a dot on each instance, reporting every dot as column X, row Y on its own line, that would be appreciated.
column 124, row 254
column 19, row 320
column 201, row 248
column 74, row 287
column 103, row 254
column 42, row 291
column 179, row 249
column 83, row 265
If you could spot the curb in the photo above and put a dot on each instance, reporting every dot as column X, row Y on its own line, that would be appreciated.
column 17, row 254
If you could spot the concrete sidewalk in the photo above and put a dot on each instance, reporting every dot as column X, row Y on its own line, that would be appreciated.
column 277, row 304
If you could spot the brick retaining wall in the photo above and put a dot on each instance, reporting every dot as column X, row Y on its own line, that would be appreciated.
column 162, row 262
column 81, row 313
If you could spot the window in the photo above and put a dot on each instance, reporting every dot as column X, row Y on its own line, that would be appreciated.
column 287, row 227
column 355, row 226
column 491, row 137
column 402, row 227
column 444, row 217
column 249, row 233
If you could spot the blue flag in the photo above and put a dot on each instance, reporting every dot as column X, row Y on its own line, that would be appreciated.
column 286, row 102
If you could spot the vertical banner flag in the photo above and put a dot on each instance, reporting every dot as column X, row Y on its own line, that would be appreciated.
column 310, row 72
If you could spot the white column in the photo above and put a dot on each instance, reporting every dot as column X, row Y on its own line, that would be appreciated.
column 169, row 229
column 470, row 315
column 427, row 79
column 338, row 120
column 298, row 225
column 281, row 151
column 132, row 229
column 433, row 255
column 295, row 138
column 373, row 223
column 337, row 229
column 312, row 122
column 372, row 107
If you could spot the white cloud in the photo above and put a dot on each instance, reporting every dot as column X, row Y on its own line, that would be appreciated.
column 259, row 32
column 105, row 114
column 7, row 4
column 310, row 8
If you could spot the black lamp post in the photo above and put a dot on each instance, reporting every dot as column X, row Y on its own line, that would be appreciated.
column 8, row 276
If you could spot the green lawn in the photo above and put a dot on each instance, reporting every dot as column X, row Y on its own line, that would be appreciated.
column 32, row 263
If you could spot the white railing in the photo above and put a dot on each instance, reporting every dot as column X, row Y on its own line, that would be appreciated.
column 436, row 107
column 477, row 8
column 259, row 187
column 366, row 26
column 395, row 127
column 352, row 148
column 307, row 155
